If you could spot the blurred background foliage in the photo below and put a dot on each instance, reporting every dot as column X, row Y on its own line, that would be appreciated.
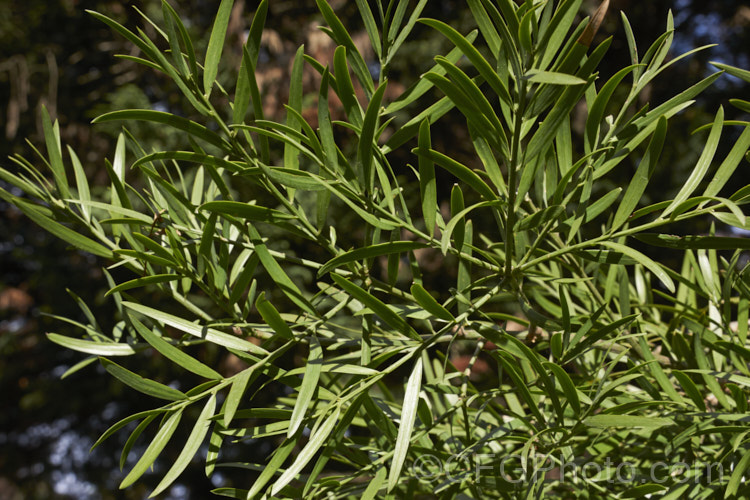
column 53, row 54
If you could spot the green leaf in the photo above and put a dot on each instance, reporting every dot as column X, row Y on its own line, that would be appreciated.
column 154, row 449
column 343, row 39
column 480, row 63
column 203, row 159
column 406, row 425
column 82, row 184
column 246, row 211
column 595, row 209
column 144, row 385
column 346, row 91
column 536, row 219
column 272, row 317
column 359, row 254
column 421, row 86
column 192, row 444
column 643, row 490
column 175, row 25
column 596, row 112
column 460, row 171
column 291, row 154
column 543, row 138
column 377, row 307
column 122, row 423
column 550, row 77
column 216, row 45
column 398, row 40
column 139, row 282
column 89, row 347
column 693, row 242
column 463, row 276
column 54, row 151
column 202, row 332
column 377, row 222
column 568, row 388
column 690, row 389
column 296, row 179
column 317, row 440
column 427, row 186
column 428, row 302
column 367, row 136
column 737, row 477
column 78, row 366
column 729, row 165
column 742, row 74
column 646, row 168
column 701, row 167
column 628, row 421
column 277, row 274
column 374, row 486
column 174, row 354
column 130, row 214
column 177, row 122
column 652, row 266
column 308, row 386
column 370, row 26
column 34, row 213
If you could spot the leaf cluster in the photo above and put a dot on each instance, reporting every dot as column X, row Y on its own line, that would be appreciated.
column 560, row 339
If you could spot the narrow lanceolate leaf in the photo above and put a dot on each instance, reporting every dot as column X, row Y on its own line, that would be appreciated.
column 276, row 272
column 738, row 474
column 652, row 266
column 216, row 45
column 54, row 151
column 139, row 282
column 554, row 78
column 372, row 28
column 429, row 303
column 692, row 242
column 122, row 423
column 82, row 183
column 596, row 113
column 291, row 154
column 690, row 389
column 604, row 421
column 729, row 165
column 202, row 332
column 738, row 72
column 317, row 440
column 642, row 175
column 459, row 170
column 144, row 385
column 271, row 316
column 193, row 443
column 309, row 384
column 536, row 219
column 377, row 306
column 699, row 172
column 367, row 136
column 485, row 69
column 568, row 388
column 154, row 449
column 174, row 354
column 191, row 157
column 191, row 127
column 64, row 233
column 379, row 250
column 408, row 416
column 90, row 347
column 246, row 211
column 427, row 186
